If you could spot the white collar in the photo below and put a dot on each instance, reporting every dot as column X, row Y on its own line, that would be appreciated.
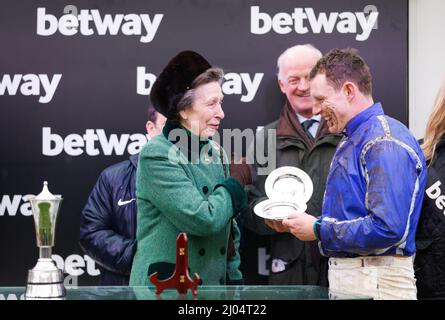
column 303, row 119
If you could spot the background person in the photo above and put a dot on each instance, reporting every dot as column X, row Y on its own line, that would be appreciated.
column 303, row 141
column 108, row 220
column 429, row 263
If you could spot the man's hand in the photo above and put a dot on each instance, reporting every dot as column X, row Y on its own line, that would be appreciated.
column 276, row 225
column 300, row 225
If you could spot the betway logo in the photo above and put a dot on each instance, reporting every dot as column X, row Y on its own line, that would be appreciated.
column 93, row 142
column 69, row 24
column 239, row 84
column 76, row 265
column 435, row 193
column 30, row 85
column 11, row 205
column 11, row 296
column 263, row 257
column 303, row 19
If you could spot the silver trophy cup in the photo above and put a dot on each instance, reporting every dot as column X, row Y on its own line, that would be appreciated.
column 45, row 280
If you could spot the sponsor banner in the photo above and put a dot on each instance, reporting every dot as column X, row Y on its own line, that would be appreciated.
column 75, row 80
column 434, row 192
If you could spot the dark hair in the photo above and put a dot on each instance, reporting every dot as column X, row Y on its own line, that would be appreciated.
column 341, row 65
column 210, row 75
column 152, row 114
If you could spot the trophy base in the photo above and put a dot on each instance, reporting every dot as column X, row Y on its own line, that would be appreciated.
column 53, row 291
column 45, row 281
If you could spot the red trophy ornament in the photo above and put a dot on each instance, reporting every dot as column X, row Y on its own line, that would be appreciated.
column 180, row 279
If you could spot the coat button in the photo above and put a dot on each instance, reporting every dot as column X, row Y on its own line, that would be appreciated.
column 202, row 251
column 223, row 250
column 221, row 281
column 205, row 189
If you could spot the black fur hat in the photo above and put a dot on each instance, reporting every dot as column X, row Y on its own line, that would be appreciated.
column 175, row 80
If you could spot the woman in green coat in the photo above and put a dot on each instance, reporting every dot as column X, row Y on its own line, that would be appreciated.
column 182, row 182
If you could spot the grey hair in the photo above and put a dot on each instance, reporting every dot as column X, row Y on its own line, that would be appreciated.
column 292, row 51
column 210, row 75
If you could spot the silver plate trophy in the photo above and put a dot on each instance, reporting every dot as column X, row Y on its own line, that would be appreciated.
column 288, row 189
column 45, row 280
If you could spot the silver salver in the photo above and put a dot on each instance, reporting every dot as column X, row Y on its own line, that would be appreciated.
column 288, row 189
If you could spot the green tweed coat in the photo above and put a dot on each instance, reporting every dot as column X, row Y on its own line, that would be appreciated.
column 173, row 196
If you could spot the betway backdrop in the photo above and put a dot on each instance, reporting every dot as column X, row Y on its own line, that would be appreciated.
column 75, row 78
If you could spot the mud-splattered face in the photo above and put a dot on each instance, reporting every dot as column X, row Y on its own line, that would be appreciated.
column 332, row 104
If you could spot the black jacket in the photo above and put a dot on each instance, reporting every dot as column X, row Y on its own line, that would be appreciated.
column 108, row 222
column 293, row 148
column 429, row 264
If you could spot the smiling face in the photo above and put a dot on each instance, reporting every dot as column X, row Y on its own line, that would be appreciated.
column 293, row 79
column 333, row 105
column 205, row 114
